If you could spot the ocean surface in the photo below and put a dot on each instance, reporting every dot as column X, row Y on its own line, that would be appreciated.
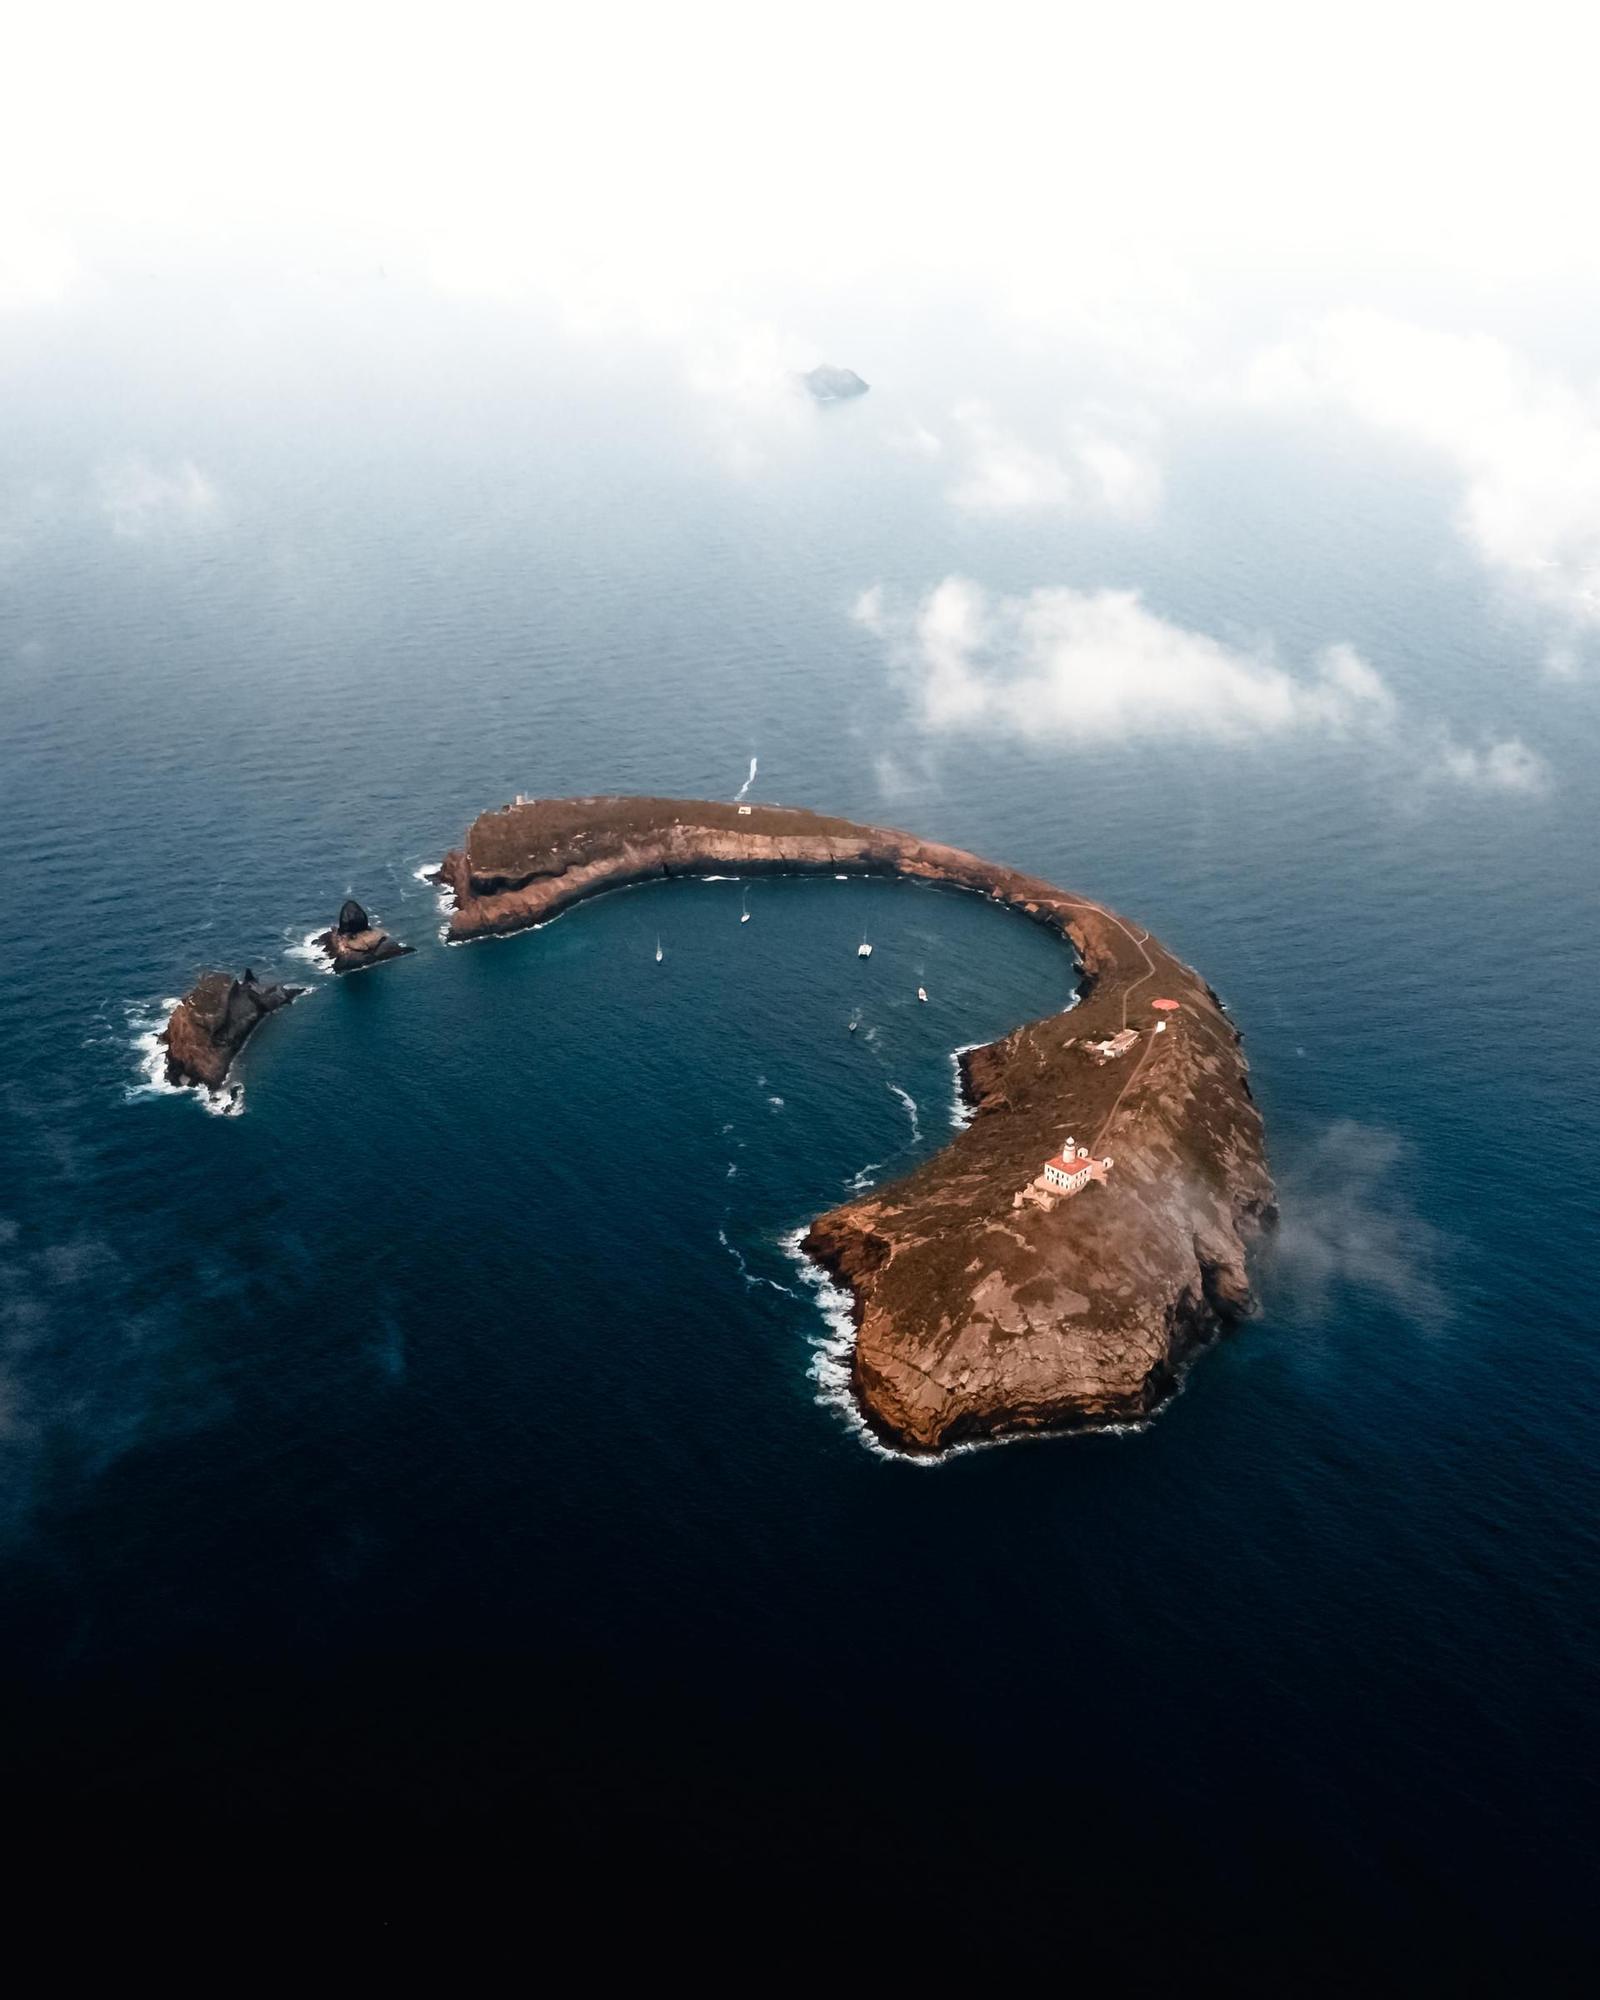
column 451, row 1438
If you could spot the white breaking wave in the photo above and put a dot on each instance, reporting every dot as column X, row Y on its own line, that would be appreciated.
column 910, row 1104
column 749, row 781
column 309, row 953
column 961, row 1112
column 859, row 1183
column 776, row 1103
column 831, row 1349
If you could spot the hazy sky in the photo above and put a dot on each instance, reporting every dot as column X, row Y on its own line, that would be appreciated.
column 1372, row 216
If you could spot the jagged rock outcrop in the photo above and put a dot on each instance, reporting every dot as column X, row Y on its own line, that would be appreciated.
column 210, row 1025
column 834, row 385
column 355, row 941
column 984, row 1305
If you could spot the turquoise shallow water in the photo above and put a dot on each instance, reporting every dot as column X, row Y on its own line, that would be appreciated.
column 439, row 1442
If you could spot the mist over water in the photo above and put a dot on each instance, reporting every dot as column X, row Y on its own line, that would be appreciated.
column 452, row 1432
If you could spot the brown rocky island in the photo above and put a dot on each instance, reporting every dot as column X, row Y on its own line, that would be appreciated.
column 212, row 1023
column 356, row 942
column 991, row 1297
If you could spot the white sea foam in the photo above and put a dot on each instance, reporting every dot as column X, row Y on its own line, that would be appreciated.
column 749, row 781
column 309, row 952
column 910, row 1104
column 737, row 1255
column 832, row 1349
column 775, row 1103
column 754, row 1279
column 961, row 1112
column 859, row 1183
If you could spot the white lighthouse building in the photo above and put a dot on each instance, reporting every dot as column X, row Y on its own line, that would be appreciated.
column 1072, row 1168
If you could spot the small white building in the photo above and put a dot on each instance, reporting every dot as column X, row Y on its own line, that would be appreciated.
column 1072, row 1168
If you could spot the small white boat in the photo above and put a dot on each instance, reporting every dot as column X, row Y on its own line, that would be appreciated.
column 922, row 993
column 863, row 950
column 744, row 910
column 658, row 951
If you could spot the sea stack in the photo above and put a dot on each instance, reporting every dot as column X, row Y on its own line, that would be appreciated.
column 212, row 1023
column 355, row 941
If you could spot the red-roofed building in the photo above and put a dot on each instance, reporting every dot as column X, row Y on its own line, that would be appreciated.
column 1071, row 1169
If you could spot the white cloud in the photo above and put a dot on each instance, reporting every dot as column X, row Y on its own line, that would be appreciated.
column 1086, row 472
column 1097, row 666
column 1524, row 443
column 140, row 500
column 745, row 379
column 37, row 264
column 1347, row 1220
column 916, row 441
column 1496, row 764
column 1075, row 667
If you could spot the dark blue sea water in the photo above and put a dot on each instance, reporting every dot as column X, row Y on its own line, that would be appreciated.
column 445, row 1444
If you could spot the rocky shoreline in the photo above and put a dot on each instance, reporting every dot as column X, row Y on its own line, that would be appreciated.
column 212, row 1023
column 987, row 1301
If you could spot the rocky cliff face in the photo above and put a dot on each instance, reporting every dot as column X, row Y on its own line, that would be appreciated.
column 210, row 1025
column 984, row 1306
column 355, row 941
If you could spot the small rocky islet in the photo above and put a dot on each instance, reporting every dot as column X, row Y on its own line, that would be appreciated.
column 219, row 1014
column 356, row 942
column 1052, row 1267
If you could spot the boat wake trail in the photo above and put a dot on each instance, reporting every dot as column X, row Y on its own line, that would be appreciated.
column 753, row 1279
column 910, row 1104
column 749, row 781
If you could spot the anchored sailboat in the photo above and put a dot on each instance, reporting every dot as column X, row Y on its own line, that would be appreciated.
column 863, row 950
column 658, row 951
column 922, row 993
column 744, row 907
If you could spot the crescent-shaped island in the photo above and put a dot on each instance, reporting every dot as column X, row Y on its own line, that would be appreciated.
column 1058, row 1261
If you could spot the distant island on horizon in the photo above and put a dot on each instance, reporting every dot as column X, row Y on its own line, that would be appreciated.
column 834, row 385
